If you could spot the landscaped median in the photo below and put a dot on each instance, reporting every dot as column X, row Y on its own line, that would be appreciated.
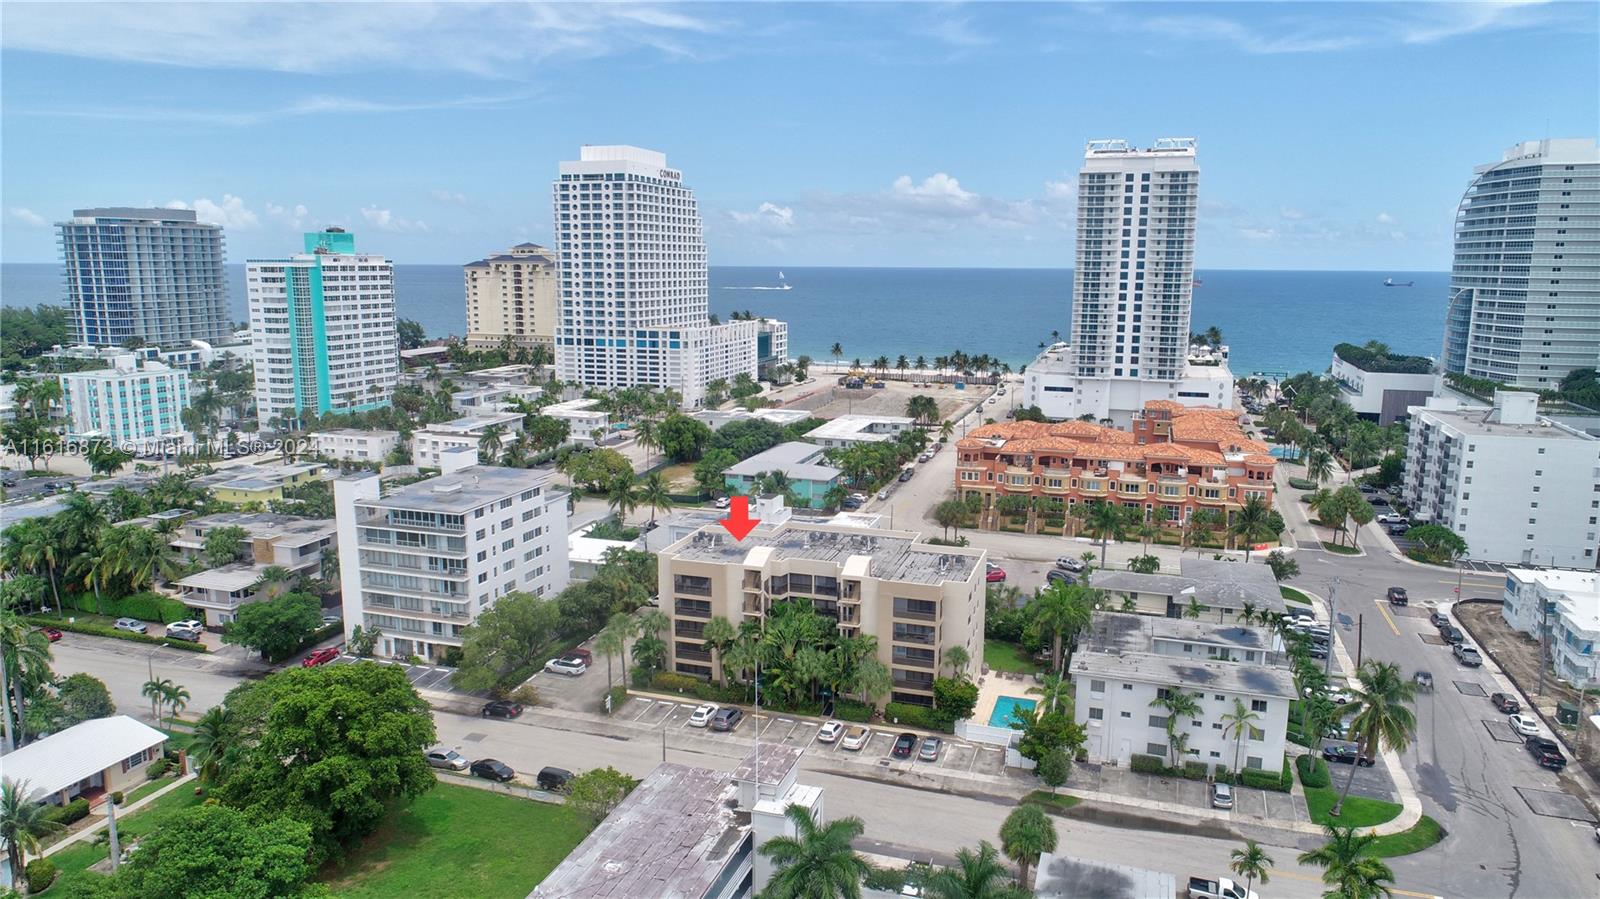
column 1362, row 811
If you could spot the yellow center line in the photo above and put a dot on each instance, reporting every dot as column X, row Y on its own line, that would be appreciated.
column 1385, row 612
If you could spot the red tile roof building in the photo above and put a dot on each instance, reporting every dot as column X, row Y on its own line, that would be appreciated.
column 1175, row 461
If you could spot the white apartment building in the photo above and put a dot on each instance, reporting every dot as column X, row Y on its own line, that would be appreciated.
column 1132, row 281
column 1128, row 660
column 1563, row 605
column 322, row 327
column 1517, row 487
column 1380, row 396
column 294, row 544
column 138, row 406
column 494, row 398
column 847, row 430
column 430, row 445
column 631, row 270
column 582, row 416
column 512, row 295
column 421, row 563
column 351, row 445
column 1524, row 304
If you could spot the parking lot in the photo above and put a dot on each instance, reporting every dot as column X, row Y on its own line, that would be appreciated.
column 422, row 677
column 1266, row 806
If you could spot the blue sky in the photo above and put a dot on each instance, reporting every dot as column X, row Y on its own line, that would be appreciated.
column 1332, row 136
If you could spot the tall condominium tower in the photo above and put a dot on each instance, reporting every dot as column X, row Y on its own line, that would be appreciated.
column 631, row 270
column 322, row 329
column 151, row 274
column 512, row 295
column 1133, row 277
column 1524, row 304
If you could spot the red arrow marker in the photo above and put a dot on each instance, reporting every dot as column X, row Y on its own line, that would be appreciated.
column 739, row 523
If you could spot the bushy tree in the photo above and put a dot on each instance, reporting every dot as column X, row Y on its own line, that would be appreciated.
column 954, row 698
column 224, row 545
column 746, row 437
column 506, row 641
column 275, row 627
column 1283, row 565
column 83, row 697
column 682, row 438
column 594, row 793
column 597, row 468
column 216, row 851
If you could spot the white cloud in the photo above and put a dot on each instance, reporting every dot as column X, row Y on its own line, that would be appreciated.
column 295, row 217
column 306, row 106
column 386, row 220
column 1259, row 233
column 768, row 217
column 230, row 213
column 1385, row 218
column 938, row 188
column 953, row 30
column 447, row 196
column 1061, row 191
column 1292, row 214
column 28, row 216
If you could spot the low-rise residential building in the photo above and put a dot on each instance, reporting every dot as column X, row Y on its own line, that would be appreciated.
column 848, row 430
column 422, row 562
column 919, row 600
column 351, row 445
column 586, row 554
column 716, row 418
column 1222, row 589
column 91, row 759
column 1125, row 663
column 219, row 593
column 1065, row 877
column 297, row 544
column 429, row 445
column 1380, row 388
column 810, row 478
column 264, row 483
column 1560, row 608
column 1062, row 392
column 515, row 373
column 583, row 418
column 1517, row 487
column 135, row 404
column 1175, row 461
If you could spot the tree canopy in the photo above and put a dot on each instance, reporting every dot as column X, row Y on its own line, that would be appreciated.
column 217, row 852
column 275, row 627
column 509, row 636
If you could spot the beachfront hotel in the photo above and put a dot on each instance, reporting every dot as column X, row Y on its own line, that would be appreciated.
column 919, row 600
column 148, row 274
column 1524, row 306
column 511, row 296
column 322, row 327
column 631, row 271
column 1132, row 281
column 1175, row 461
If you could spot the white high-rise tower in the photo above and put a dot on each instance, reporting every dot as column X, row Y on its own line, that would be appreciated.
column 1133, row 277
column 631, row 272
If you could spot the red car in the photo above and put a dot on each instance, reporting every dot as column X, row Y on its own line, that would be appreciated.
column 50, row 634
column 321, row 657
column 995, row 575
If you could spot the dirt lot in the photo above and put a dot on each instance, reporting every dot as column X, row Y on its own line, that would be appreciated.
column 825, row 400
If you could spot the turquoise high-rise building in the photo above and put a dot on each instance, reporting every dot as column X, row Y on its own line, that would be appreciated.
column 322, row 325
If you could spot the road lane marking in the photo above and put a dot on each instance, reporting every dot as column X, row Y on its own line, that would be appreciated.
column 1385, row 612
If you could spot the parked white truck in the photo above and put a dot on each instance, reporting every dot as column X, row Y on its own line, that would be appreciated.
column 1221, row 888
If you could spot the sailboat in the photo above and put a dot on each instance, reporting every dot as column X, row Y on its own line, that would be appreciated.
column 782, row 284
column 1390, row 282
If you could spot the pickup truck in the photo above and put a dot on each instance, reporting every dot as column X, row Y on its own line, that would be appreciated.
column 1222, row 888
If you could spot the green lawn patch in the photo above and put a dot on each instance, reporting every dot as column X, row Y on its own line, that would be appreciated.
column 1002, row 656
column 178, row 740
column 144, row 790
column 74, row 862
column 1052, row 802
column 1358, row 811
column 1340, row 549
column 1423, row 834
column 460, row 841
column 1293, row 595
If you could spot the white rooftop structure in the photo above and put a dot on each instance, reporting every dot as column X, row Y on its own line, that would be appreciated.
column 851, row 429
column 81, row 751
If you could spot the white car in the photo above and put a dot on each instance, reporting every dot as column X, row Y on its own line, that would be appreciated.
column 722, row 502
column 701, row 716
column 883, row 494
column 1391, row 518
column 830, row 732
column 1524, row 725
column 331, row 619
column 856, row 737
column 1068, row 563
column 571, row 666
column 190, row 624
column 131, row 625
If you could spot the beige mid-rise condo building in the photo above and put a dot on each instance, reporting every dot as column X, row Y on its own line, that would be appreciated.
column 919, row 600
column 512, row 295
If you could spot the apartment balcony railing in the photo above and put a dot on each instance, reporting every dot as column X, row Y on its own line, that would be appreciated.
column 691, row 655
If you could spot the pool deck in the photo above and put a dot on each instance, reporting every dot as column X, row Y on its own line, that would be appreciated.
column 996, row 684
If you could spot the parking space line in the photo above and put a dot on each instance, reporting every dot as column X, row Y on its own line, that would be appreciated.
column 1380, row 603
column 649, row 705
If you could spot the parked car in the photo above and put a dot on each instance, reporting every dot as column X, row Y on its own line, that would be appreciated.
column 571, row 666
column 726, row 719
column 855, row 737
column 581, row 653
column 1367, row 489
column 1467, row 656
column 1398, row 597
column 1452, row 635
column 850, row 504
column 883, row 495
column 553, row 779
column 1396, row 529
column 906, row 475
column 502, row 708
column 131, row 625
column 1506, row 703
column 320, row 657
column 1438, row 619
column 904, row 745
column 930, row 749
column 1221, row 796
column 701, row 716
column 1524, row 725
column 1068, row 563
column 722, row 502
column 994, row 574
column 1221, row 888
column 188, row 624
column 1056, row 574
column 1392, row 518
column 187, row 635
column 492, row 769
column 447, row 758
column 830, row 732
column 1546, row 752
column 1424, row 680
column 925, row 457
column 1347, row 753
column 50, row 633
column 331, row 619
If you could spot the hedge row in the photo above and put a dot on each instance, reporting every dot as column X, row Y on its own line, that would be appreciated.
column 1313, row 771
column 71, row 813
column 1302, row 484
column 1280, row 781
column 851, row 710
column 97, row 630
column 146, row 606
column 913, row 716
column 699, row 689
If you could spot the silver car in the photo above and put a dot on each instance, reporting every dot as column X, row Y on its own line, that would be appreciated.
column 131, row 625
column 1221, row 796
column 447, row 758
column 930, row 749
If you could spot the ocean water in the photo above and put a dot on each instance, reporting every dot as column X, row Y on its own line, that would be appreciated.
column 1274, row 321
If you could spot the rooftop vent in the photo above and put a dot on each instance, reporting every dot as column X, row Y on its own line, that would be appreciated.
column 451, row 487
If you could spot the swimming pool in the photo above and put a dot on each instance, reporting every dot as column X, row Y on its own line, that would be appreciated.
column 1286, row 452
column 1003, row 708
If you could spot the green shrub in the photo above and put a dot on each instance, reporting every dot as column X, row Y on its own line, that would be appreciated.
column 850, row 710
column 1194, row 769
column 618, row 696
column 41, row 872
column 1302, row 484
column 1147, row 764
column 911, row 715
column 158, row 768
column 149, row 606
column 675, row 683
column 79, row 627
column 1313, row 771
column 733, row 693
column 72, row 812
column 888, row 880
column 116, row 797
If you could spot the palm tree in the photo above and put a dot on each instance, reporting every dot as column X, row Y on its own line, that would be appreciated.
column 1319, row 466
column 1053, row 690
column 274, row 581
column 817, row 861
column 490, row 444
column 1251, row 863
column 22, row 823
column 31, row 545
column 611, row 641
column 176, row 697
column 210, row 744
column 654, row 492
column 1027, row 834
column 1060, row 612
column 744, row 654
column 1253, row 521
column 1383, row 716
column 1177, row 704
column 1194, row 609
column 1105, row 522
column 958, row 659
column 1202, row 521
column 719, row 635
column 621, row 497
column 24, row 666
column 946, row 428
column 1239, row 722
column 837, row 352
column 977, row 875
column 156, row 691
column 648, row 436
column 1347, row 865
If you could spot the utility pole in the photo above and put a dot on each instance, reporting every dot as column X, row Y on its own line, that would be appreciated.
column 1327, row 661
column 1544, row 642
column 1361, row 631
column 111, row 827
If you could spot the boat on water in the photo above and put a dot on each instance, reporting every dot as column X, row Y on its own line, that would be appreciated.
column 781, row 285
column 1390, row 282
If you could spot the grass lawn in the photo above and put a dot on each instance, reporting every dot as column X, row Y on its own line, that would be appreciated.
column 1051, row 802
column 460, row 841
column 1339, row 549
column 1002, row 656
column 144, row 790
column 1422, row 835
column 74, row 862
column 1358, row 811
column 1293, row 595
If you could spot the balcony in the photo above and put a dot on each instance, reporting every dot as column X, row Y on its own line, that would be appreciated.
column 915, row 614
column 692, row 655
column 912, row 681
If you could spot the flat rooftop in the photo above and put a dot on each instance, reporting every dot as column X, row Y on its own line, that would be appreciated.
column 796, row 459
column 265, row 525
column 1165, row 670
column 471, row 423
column 1477, row 421
column 860, row 427
column 890, row 555
column 462, row 491
column 1115, row 632
column 357, row 433
column 228, row 578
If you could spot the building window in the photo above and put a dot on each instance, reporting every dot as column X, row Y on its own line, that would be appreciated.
column 1097, row 714
column 1258, row 705
column 1155, row 749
